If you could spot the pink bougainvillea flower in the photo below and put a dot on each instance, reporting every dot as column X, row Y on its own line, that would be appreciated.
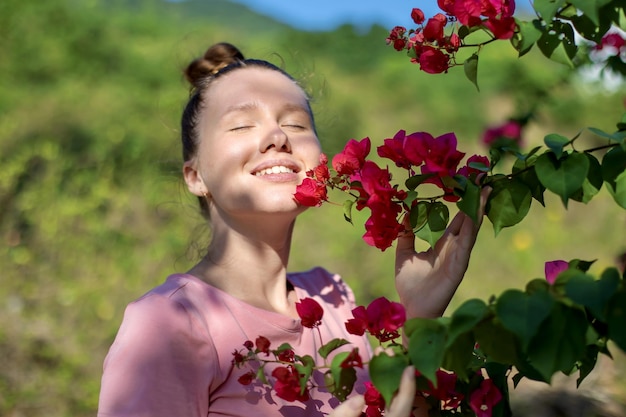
column 553, row 269
column 382, row 228
column 310, row 312
column 484, row 398
column 352, row 360
column 310, row 193
column 397, row 38
column 287, row 385
column 286, row 355
column 445, row 391
column 469, row 171
column 417, row 15
column 352, row 157
column 374, row 401
column 238, row 358
column 382, row 319
column 247, row 378
column 510, row 131
column 447, row 6
column 433, row 61
column 613, row 41
column 498, row 8
column 313, row 190
column 468, row 12
column 393, row 149
column 442, row 157
column 503, row 28
column 433, row 31
column 263, row 344
column 320, row 172
column 376, row 185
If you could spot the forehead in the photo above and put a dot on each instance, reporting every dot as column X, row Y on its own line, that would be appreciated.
column 261, row 86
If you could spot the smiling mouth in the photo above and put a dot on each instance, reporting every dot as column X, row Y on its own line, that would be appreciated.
column 278, row 169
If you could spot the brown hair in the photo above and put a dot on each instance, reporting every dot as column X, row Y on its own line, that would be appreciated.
column 218, row 60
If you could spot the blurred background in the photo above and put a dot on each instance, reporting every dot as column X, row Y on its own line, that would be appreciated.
column 93, row 211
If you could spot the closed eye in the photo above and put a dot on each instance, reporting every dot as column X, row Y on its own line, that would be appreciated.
column 295, row 126
column 239, row 128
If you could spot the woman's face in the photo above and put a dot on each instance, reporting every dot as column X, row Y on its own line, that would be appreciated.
column 257, row 142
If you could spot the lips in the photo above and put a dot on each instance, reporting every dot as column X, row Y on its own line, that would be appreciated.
column 275, row 167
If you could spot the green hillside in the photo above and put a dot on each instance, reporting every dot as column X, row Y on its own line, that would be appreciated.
column 93, row 211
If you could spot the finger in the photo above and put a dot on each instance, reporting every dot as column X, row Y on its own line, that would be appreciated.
column 406, row 239
column 402, row 403
column 352, row 407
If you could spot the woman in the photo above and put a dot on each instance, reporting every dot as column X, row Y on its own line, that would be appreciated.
column 248, row 139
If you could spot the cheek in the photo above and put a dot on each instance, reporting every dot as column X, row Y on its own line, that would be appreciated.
column 313, row 150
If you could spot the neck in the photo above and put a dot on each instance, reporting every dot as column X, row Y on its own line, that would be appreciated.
column 249, row 261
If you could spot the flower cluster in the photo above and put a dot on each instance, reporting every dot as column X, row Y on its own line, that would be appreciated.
column 427, row 159
column 507, row 134
column 290, row 376
column 430, row 46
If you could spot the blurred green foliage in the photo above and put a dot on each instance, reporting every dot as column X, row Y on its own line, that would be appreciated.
column 92, row 209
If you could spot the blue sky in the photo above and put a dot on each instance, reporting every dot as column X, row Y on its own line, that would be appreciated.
column 328, row 14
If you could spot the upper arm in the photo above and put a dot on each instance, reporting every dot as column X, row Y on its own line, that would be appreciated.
column 160, row 364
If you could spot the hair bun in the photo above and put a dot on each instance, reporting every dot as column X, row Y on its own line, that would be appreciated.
column 214, row 59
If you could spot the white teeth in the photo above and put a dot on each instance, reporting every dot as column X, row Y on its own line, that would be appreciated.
column 274, row 170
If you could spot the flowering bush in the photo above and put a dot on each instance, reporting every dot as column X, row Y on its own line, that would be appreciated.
column 570, row 173
column 559, row 323
column 557, row 30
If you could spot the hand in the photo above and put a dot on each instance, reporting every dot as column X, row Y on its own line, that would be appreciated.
column 426, row 281
column 403, row 403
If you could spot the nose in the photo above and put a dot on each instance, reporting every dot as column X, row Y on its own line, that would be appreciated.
column 276, row 139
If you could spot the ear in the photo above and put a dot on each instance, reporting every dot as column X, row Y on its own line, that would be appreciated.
column 194, row 180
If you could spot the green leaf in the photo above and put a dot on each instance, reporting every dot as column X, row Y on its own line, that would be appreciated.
column 560, row 341
column 436, row 223
column 498, row 344
column 305, row 369
column 465, row 317
column 618, row 190
column 508, row 203
column 613, row 164
column 329, row 347
column 347, row 210
column 419, row 215
column 427, row 345
column 592, row 184
column 459, row 355
column 413, row 182
column 522, row 313
column 556, row 142
column 529, row 34
column 616, row 318
column 562, row 176
column 343, row 379
column 470, row 66
column 386, row 373
column 558, row 43
column 594, row 294
column 587, row 363
column 470, row 202
column 589, row 9
column 613, row 168
column 547, row 8
column 614, row 137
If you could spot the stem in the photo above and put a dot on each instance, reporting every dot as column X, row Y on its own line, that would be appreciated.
column 599, row 148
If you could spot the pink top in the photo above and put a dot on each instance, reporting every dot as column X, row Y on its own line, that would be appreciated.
column 172, row 356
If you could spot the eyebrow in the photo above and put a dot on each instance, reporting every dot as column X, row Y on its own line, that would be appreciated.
column 289, row 107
